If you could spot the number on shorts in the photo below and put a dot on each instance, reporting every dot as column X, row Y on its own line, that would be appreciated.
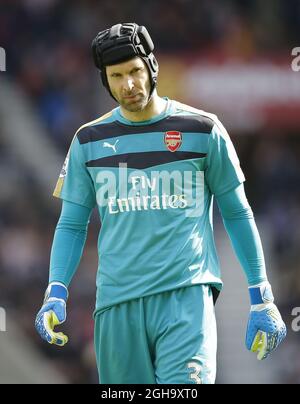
column 195, row 375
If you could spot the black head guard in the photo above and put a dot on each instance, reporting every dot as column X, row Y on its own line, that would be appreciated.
column 123, row 42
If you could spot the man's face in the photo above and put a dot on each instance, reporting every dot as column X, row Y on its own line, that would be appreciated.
column 129, row 83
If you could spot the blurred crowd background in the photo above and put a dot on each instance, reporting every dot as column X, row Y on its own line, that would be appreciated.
column 49, row 62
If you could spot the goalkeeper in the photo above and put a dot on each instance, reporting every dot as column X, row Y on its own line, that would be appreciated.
column 158, row 275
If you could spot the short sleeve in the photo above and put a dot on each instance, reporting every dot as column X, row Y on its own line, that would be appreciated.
column 75, row 183
column 223, row 171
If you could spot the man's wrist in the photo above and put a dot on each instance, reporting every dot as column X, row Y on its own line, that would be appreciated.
column 261, row 294
column 56, row 290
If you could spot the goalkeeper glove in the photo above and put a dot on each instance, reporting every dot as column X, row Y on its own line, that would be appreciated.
column 266, row 329
column 53, row 313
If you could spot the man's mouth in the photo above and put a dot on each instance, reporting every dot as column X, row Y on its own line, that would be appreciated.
column 130, row 97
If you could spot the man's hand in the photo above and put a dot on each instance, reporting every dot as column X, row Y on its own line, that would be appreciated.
column 53, row 313
column 266, row 329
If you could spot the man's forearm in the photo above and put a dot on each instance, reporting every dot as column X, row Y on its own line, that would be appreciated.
column 241, row 227
column 68, row 243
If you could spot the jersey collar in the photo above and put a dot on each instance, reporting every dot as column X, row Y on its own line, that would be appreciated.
column 119, row 117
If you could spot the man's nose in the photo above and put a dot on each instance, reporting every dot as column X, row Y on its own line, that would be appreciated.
column 128, row 84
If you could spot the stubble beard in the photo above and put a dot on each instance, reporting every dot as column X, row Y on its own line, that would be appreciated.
column 136, row 106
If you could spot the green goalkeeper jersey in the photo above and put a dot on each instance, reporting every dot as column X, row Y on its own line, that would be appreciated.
column 153, row 184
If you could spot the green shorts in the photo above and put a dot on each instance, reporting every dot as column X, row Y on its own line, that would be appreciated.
column 165, row 338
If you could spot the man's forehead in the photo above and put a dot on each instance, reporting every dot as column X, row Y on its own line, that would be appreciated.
column 123, row 67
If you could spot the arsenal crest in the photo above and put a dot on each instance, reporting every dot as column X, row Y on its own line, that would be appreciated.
column 173, row 140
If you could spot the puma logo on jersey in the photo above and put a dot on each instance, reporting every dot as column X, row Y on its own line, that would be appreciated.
column 112, row 146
